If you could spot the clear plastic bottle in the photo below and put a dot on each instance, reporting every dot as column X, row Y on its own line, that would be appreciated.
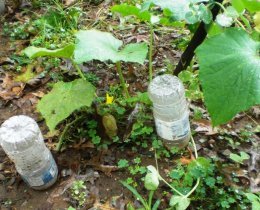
column 21, row 139
column 170, row 110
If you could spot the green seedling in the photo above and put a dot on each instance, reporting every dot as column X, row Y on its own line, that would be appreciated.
column 78, row 192
column 192, row 84
column 151, row 183
column 239, row 158
column 129, row 10
column 91, row 44
column 123, row 163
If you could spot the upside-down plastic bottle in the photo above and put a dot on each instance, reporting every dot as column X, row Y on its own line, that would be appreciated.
column 170, row 110
column 21, row 139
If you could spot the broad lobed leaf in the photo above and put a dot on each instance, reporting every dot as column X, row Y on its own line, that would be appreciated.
column 229, row 74
column 65, row 52
column 65, row 98
column 127, row 10
column 250, row 5
column 103, row 46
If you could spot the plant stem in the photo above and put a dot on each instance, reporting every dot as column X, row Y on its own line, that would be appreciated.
column 156, row 161
column 194, row 146
column 150, row 199
column 61, row 139
column 194, row 188
column 151, row 53
column 198, row 180
column 160, row 177
column 76, row 66
column 220, row 5
column 121, row 78
column 175, row 190
column 224, row 9
column 240, row 24
column 246, row 22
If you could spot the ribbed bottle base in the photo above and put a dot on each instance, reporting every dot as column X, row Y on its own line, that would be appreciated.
column 180, row 143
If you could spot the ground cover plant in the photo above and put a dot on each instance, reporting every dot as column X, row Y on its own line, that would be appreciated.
column 81, row 69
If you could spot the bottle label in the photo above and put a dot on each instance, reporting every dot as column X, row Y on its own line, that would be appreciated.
column 43, row 179
column 174, row 130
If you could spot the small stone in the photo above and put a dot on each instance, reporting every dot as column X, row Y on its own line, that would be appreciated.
column 202, row 140
column 226, row 152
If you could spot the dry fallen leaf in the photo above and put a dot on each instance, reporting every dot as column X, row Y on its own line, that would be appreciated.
column 83, row 144
column 187, row 160
column 39, row 94
column 10, row 89
column 204, row 126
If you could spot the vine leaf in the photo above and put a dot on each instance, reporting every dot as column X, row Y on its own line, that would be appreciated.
column 229, row 74
column 102, row 46
column 187, row 10
column 126, row 10
column 250, row 5
column 64, row 99
column 34, row 52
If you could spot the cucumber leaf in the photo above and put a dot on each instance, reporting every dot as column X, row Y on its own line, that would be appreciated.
column 102, row 46
column 65, row 52
column 127, row 10
column 250, row 5
column 229, row 73
column 65, row 98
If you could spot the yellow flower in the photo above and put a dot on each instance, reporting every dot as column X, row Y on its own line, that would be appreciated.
column 109, row 99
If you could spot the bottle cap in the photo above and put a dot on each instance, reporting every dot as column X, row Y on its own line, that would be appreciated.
column 18, row 133
column 166, row 90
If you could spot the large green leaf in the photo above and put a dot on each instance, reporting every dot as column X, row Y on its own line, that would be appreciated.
column 102, row 46
column 250, row 5
column 126, row 10
column 65, row 52
column 64, row 99
column 229, row 74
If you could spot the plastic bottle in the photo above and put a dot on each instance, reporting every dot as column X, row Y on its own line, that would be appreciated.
column 170, row 110
column 21, row 139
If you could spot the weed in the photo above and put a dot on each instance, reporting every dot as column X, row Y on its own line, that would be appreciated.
column 16, row 30
column 123, row 163
column 239, row 158
column 78, row 192
column 92, row 78
column 92, row 132
column 192, row 84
